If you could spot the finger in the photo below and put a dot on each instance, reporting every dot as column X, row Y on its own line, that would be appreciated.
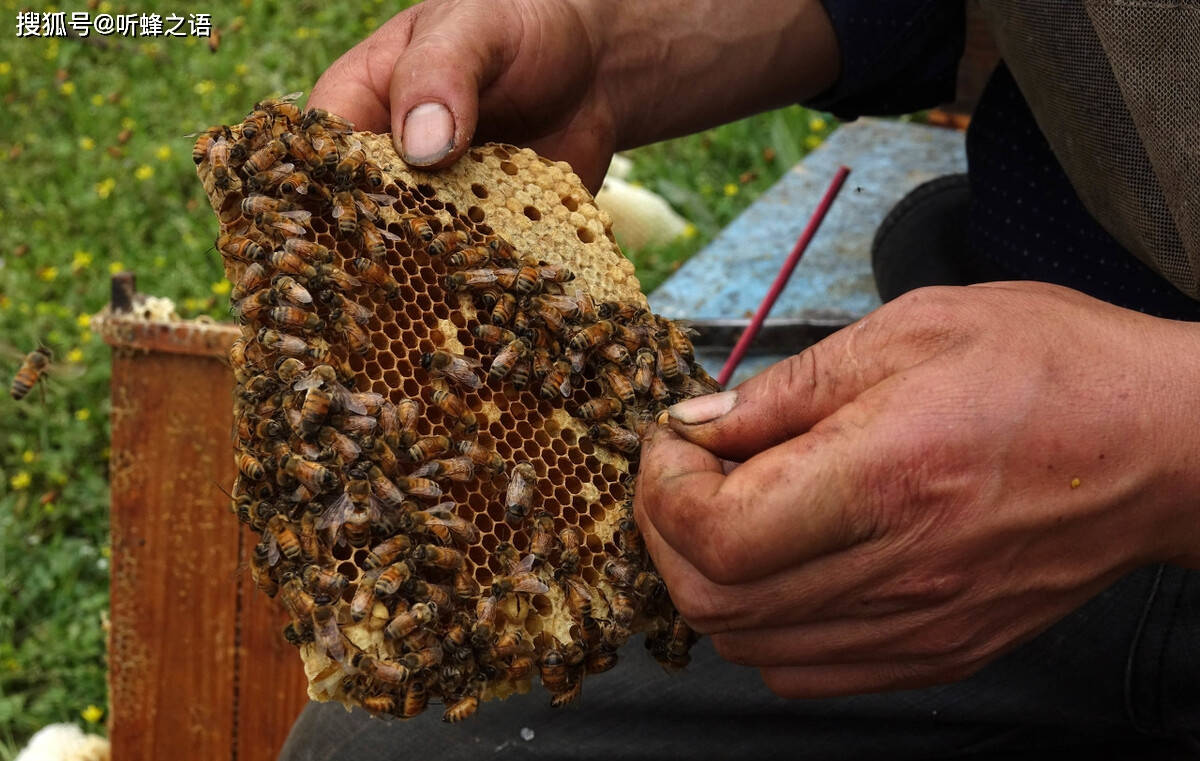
column 792, row 396
column 436, row 80
column 355, row 86
column 858, row 678
column 797, row 501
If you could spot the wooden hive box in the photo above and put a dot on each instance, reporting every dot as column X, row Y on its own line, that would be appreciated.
column 198, row 668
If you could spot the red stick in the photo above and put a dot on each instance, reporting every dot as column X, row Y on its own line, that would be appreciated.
column 785, row 274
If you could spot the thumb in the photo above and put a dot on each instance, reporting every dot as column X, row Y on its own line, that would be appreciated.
column 790, row 397
column 436, row 80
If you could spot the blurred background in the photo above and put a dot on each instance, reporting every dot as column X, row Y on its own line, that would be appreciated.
column 96, row 177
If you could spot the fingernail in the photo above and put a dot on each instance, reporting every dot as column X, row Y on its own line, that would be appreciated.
column 704, row 409
column 428, row 134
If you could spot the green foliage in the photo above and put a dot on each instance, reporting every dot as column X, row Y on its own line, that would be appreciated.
column 98, row 178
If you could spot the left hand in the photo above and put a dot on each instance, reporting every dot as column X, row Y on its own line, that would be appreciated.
column 929, row 487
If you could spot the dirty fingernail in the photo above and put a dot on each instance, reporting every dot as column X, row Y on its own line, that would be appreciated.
column 704, row 409
column 428, row 134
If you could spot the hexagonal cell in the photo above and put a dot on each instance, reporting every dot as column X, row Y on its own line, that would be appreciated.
column 508, row 168
column 532, row 213
column 571, row 203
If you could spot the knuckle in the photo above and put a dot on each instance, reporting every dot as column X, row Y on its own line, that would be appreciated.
column 702, row 606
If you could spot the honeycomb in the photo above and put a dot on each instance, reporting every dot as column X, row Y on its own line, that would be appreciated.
column 442, row 381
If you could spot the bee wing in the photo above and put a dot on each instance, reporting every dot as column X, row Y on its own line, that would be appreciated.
column 292, row 97
column 374, row 509
column 428, row 490
column 339, row 211
column 580, row 588
column 529, row 584
column 427, row 470
column 382, row 199
column 525, row 565
column 344, row 399
column 388, row 233
column 300, row 215
column 336, row 513
column 307, row 382
column 272, row 550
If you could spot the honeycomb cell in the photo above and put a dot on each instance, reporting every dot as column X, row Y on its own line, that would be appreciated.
column 559, row 447
column 573, row 484
column 475, row 214
column 532, row 213
column 571, row 203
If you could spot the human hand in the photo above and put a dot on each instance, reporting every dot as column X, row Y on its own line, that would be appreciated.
column 575, row 79
column 927, row 488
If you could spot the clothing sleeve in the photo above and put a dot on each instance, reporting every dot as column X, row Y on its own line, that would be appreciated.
column 897, row 56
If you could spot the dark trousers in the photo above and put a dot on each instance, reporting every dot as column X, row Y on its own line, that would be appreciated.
column 1117, row 679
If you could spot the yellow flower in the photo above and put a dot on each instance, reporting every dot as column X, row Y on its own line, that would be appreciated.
column 303, row 33
column 75, row 356
column 160, row 261
column 221, row 287
column 92, row 714
column 128, row 123
column 241, row 69
column 204, row 87
column 5, row 67
column 163, row 152
column 104, row 188
column 817, row 124
column 86, row 143
column 81, row 259
column 67, row 88
column 144, row 172
column 84, row 320
column 731, row 189
column 21, row 480
column 83, row 414
column 28, row 456
column 812, row 141
column 48, row 274
column 115, row 267
column 97, row 100
column 689, row 231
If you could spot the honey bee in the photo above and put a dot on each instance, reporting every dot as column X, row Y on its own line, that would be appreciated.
column 622, row 607
column 523, row 280
column 251, row 306
column 615, row 437
column 351, row 163
column 557, row 382
column 505, row 308
column 643, row 375
column 364, row 595
column 219, row 157
column 356, row 339
column 372, row 174
column 428, row 447
column 629, row 538
column 320, row 118
column 373, row 239
column 439, row 557
column 372, row 486
column 265, row 158
column 354, row 424
column 387, row 551
column 618, row 383
column 325, row 630
column 647, row 584
column 419, row 487
column 465, row 586
column 494, row 334
column 316, row 478
column 621, row 571
column 519, row 376
column 332, row 276
column 542, row 540
column 298, row 603
column 445, row 525
column 416, row 698
column 376, row 274
column 284, row 536
column 260, row 571
column 454, row 469
column 421, row 614
column 520, row 490
column 520, row 578
column 553, row 667
column 250, row 466
column 317, row 404
column 326, row 378
column 615, row 353
column 241, row 247
column 679, row 337
column 470, row 256
column 438, row 594
column 301, row 150
column 294, row 182
column 614, row 310
column 297, row 318
column 519, row 668
column 324, row 149
column 601, row 660
column 460, row 369
column 286, row 290
column 555, row 273
column 377, row 450
column 269, row 179
column 570, row 541
column 671, row 365
column 592, row 336
column 507, row 358
column 329, row 583
column 340, row 305
column 256, row 204
column 463, row 708
column 204, row 141
column 447, row 242
column 471, row 279
column 252, row 278
column 480, row 455
column 599, row 409
column 33, row 368
column 456, row 409
column 308, row 251
column 391, row 577
column 380, row 703
column 347, row 450
column 418, row 227
column 283, row 223
column 569, row 695
column 344, row 212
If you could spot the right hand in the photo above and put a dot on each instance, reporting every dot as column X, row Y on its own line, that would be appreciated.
column 528, row 67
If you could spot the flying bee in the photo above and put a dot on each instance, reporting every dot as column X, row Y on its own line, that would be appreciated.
column 364, row 595
column 260, row 571
column 307, row 250
column 281, row 531
column 444, row 524
column 494, row 334
column 615, row 437
column 376, row 274
column 523, row 280
column 387, row 551
column 315, row 477
column 418, row 227
column 420, row 614
column 428, row 447
column 601, row 408
column 570, row 541
column 356, row 339
column 456, row 410
column 204, row 142
column 325, row 630
column 521, row 484
column 347, row 450
column 447, row 242
column 391, row 577
column 344, row 212
column 542, row 540
column 440, row 557
column 504, row 310
column 33, row 368
column 618, row 383
column 460, row 469
column 480, row 455
column 593, row 335
column 470, row 256
column 240, row 247
column 461, row 370
column 218, row 157
column 301, row 150
column 329, row 583
column 471, row 279
column 297, row 318
column 250, row 466
column 350, row 164
column 373, row 239
column 507, row 358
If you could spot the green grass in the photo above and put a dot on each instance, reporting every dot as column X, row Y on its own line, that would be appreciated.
column 97, row 177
